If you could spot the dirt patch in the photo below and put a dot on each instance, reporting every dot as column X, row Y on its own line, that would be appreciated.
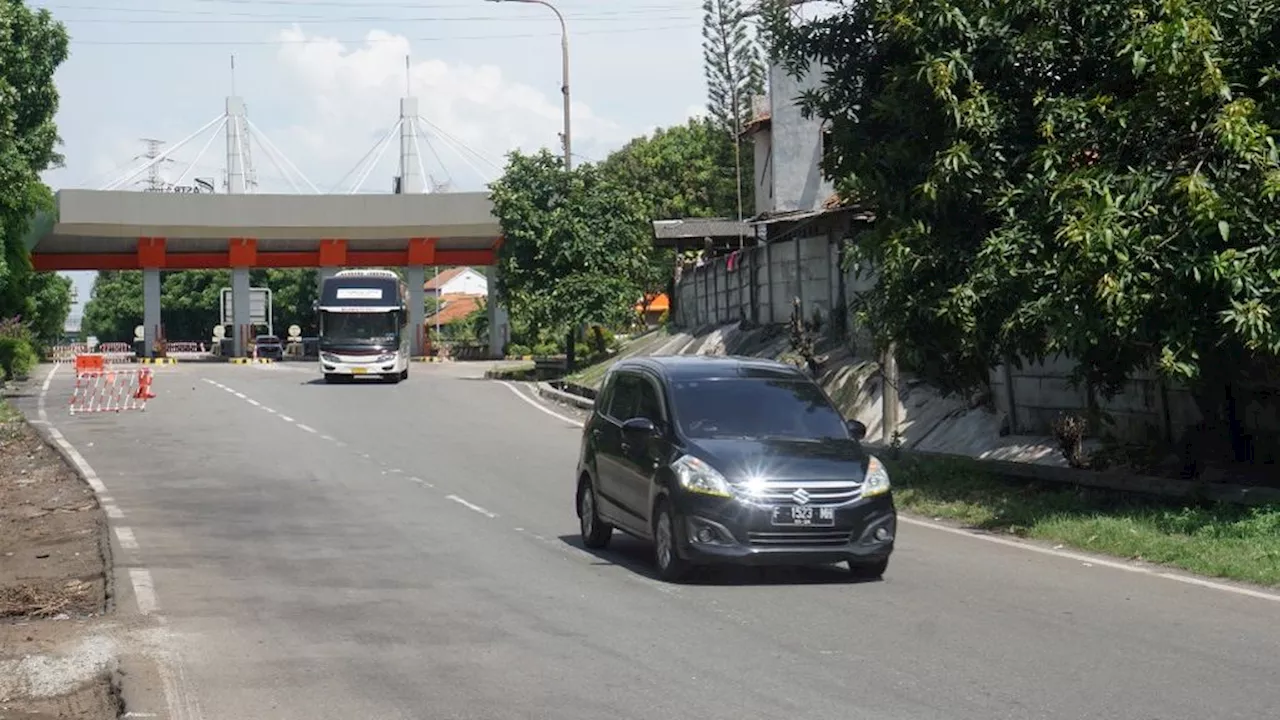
column 53, row 570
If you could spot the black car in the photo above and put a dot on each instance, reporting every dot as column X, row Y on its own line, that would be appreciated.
column 269, row 346
column 731, row 460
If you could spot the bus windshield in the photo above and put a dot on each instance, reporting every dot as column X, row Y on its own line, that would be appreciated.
column 360, row 328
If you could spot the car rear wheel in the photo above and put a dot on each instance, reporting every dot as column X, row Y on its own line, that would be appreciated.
column 671, row 567
column 596, row 533
column 868, row 571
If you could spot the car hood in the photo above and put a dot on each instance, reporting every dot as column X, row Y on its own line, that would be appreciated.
column 783, row 459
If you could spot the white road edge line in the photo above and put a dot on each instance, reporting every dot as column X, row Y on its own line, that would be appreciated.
column 1092, row 560
column 537, row 405
column 126, row 538
column 308, row 428
column 286, row 418
column 1007, row 542
column 144, row 591
column 471, row 506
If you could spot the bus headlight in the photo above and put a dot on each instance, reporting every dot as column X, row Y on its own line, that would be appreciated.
column 329, row 358
column 386, row 358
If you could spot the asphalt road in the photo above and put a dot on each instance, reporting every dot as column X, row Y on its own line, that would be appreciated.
column 411, row 551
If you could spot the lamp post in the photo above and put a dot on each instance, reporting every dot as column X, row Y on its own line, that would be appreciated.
column 564, row 84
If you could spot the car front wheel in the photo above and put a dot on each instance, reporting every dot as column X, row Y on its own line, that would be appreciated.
column 671, row 567
column 869, row 571
column 596, row 533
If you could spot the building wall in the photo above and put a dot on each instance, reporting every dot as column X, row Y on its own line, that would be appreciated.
column 763, row 171
column 796, row 143
column 466, row 283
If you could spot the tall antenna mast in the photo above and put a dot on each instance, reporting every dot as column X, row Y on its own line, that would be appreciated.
column 407, row 81
column 233, row 73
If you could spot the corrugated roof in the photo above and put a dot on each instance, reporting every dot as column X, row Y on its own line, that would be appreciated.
column 698, row 228
column 455, row 307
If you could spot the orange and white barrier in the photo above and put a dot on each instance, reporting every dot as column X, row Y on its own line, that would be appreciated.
column 111, row 390
column 116, row 352
column 68, row 352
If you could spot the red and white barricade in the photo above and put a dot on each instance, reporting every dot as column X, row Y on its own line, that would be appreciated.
column 67, row 352
column 111, row 390
column 116, row 352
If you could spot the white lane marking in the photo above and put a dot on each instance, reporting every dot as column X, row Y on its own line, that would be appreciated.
column 254, row 403
column 326, row 438
column 144, row 592
column 240, row 395
column 270, row 410
column 538, row 405
column 44, row 390
column 1092, row 560
column 471, row 506
column 113, row 511
column 308, row 428
column 420, row 481
column 286, row 418
column 126, row 538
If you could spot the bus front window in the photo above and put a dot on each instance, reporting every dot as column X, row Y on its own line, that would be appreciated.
column 374, row 328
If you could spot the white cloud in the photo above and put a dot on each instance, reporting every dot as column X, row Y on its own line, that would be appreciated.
column 695, row 112
column 354, row 96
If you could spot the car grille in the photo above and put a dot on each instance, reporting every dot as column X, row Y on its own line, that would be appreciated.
column 811, row 492
column 808, row 537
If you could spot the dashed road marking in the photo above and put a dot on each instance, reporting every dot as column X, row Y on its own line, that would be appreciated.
column 144, row 591
column 286, row 418
column 471, row 506
column 254, row 403
column 113, row 511
column 538, row 405
column 420, row 481
column 126, row 538
column 307, row 428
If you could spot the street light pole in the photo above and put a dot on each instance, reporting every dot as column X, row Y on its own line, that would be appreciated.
column 564, row 82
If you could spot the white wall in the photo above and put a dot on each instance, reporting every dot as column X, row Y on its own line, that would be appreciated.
column 468, row 282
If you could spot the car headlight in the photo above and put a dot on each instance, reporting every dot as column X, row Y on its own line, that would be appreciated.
column 386, row 358
column 329, row 358
column 876, row 481
column 696, row 476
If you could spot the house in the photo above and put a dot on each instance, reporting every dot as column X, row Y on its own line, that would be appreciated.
column 457, row 281
column 454, row 307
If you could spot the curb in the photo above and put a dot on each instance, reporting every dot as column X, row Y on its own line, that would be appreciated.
column 431, row 359
column 251, row 361
column 522, row 358
column 546, row 391
column 158, row 361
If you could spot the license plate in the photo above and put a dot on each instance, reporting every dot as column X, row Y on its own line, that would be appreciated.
column 804, row 515
column 359, row 371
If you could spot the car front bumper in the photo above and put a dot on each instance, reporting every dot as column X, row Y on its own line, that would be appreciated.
column 357, row 368
column 727, row 531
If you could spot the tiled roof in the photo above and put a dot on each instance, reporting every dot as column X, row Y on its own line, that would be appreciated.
column 440, row 280
column 456, row 307
column 657, row 303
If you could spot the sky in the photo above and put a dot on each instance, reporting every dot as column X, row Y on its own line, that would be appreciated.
column 322, row 82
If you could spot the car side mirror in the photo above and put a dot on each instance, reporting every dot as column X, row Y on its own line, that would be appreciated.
column 639, row 426
column 857, row 430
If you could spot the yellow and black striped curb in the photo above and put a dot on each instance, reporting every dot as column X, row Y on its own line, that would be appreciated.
column 432, row 359
column 251, row 361
column 158, row 361
column 525, row 358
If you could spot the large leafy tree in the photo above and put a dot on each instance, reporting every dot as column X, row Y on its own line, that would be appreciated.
column 1092, row 178
column 576, row 245
column 32, row 46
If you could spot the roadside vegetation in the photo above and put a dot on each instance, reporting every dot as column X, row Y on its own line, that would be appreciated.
column 1227, row 541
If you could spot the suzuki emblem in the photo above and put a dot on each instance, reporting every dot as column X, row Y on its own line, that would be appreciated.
column 800, row 496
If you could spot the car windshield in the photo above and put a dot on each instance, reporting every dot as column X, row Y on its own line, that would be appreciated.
column 755, row 408
column 269, row 339
column 372, row 328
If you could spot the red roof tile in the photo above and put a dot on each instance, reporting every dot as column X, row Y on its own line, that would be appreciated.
column 456, row 308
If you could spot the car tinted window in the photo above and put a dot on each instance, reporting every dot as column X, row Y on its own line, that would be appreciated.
column 752, row 407
column 648, row 405
column 626, row 396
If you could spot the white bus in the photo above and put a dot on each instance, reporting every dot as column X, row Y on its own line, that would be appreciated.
column 364, row 326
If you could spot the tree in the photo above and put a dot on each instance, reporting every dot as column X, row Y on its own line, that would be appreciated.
column 1090, row 178
column 575, row 244
column 734, row 72
column 32, row 46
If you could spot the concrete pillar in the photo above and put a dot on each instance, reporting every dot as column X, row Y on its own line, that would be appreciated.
column 499, row 324
column 411, row 180
column 240, row 316
column 150, row 310
column 321, row 275
column 237, row 141
column 415, row 276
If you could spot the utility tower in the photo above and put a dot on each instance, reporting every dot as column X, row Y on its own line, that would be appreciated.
column 155, row 183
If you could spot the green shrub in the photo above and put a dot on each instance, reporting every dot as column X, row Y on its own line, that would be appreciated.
column 17, row 357
column 518, row 350
column 546, row 349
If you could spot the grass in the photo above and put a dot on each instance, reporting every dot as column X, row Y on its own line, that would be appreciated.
column 1227, row 541
column 7, row 412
